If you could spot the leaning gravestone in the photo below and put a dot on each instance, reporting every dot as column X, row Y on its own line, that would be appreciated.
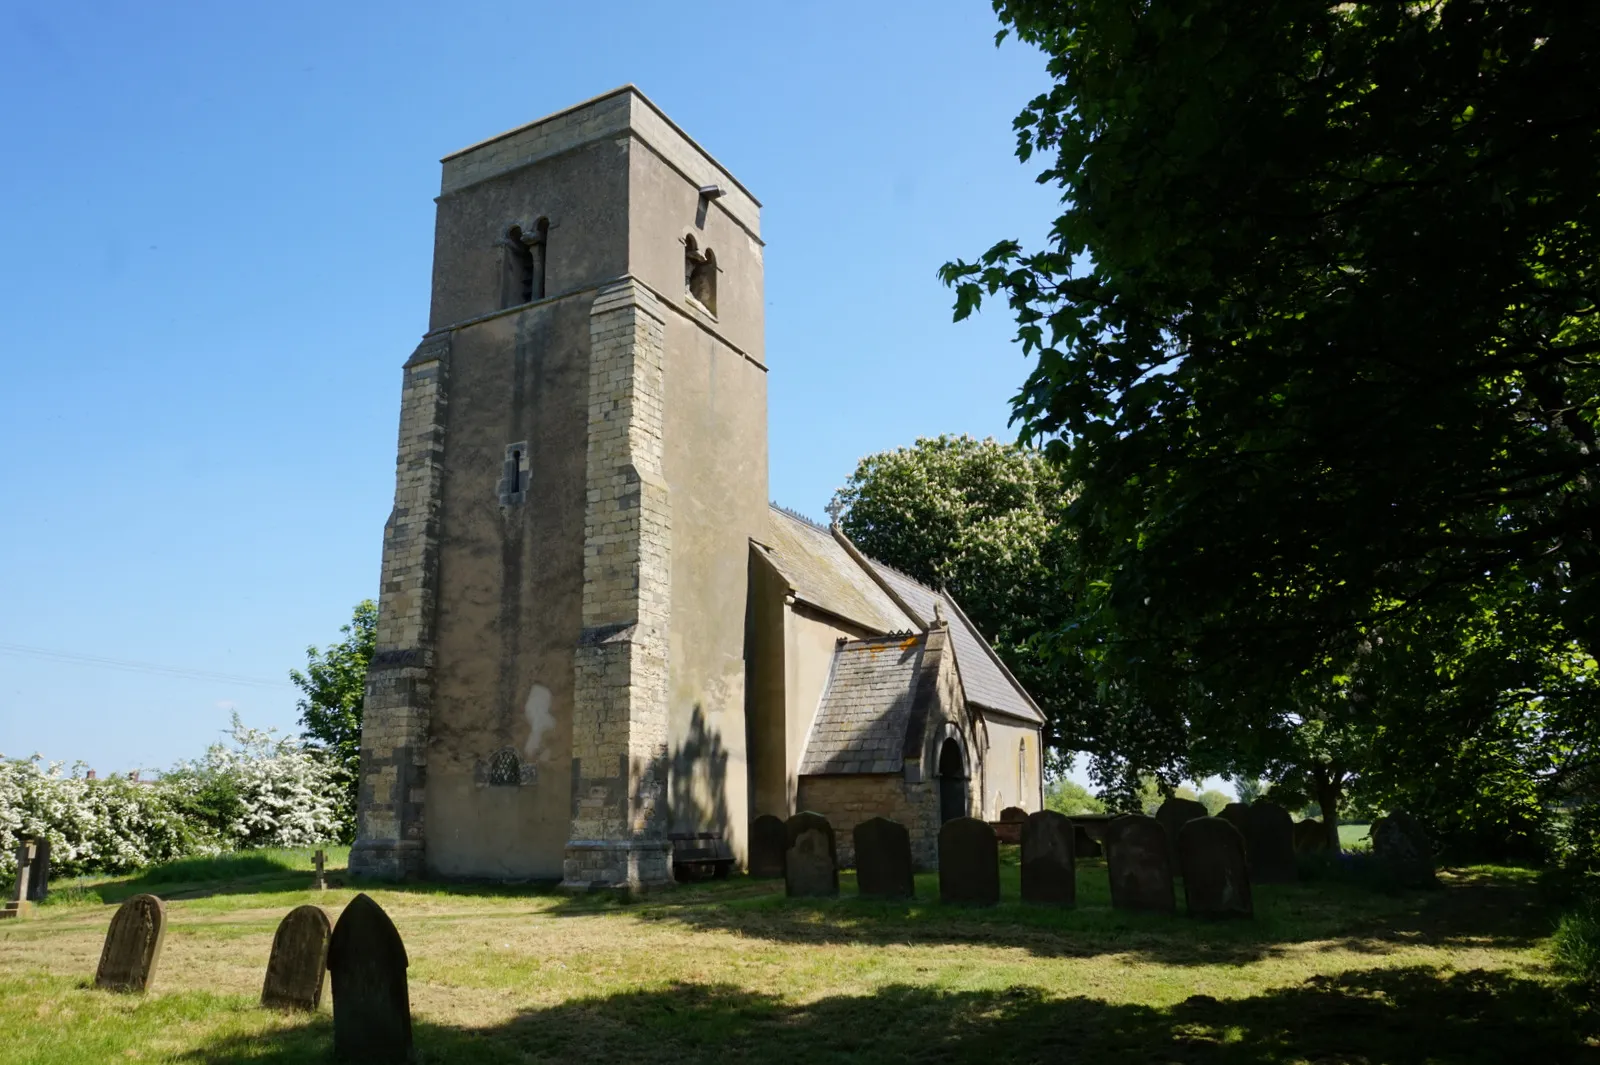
column 1140, row 864
column 969, row 863
column 371, row 1003
column 1216, row 875
column 1269, row 841
column 768, row 840
column 133, row 945
column 811, row 862
column 39, row 872
column 1173, row 815
column 1085, row 845
column 298, row 960
column 883, row 859
column 1400, row 844
column 1049, row 874
column 1310, row 837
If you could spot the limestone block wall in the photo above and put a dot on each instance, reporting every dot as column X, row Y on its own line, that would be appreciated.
column 619, row 720
column 846, row 801
column 399, row 692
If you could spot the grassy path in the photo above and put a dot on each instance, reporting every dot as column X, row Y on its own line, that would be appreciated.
column 735, row 972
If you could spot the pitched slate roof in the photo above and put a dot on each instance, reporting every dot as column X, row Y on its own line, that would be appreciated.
column 860, row 726
column 984, row 678
column 823, row 574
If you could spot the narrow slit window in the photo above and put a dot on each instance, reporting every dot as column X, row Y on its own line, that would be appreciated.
column 516, row 471
column 513, row 488
column 700, row 274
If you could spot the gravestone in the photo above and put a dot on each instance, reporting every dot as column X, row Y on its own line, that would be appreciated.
column 1013, row 813
column 1216, row 874
column 883, row 859
column 1140, row 864
column 298, row 961
column 768, row 840
column 969, row 863
column 1049, row 874
column 39, row 873
column 1237, row 814
column 1310, row 837
column 133, row 945
column 1405, row 850
column 320, row 881
column 17, row 905
column 371, row 1003
column 1085, row 845
column 1269, row 842
column 1173, row 815
column 811, row 859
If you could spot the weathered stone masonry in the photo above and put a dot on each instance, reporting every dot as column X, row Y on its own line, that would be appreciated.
column 394, row 731
column 619, row 720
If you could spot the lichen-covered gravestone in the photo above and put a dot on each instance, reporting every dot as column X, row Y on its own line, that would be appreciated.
column 883, row 859
column 1140, row 864
column 371, row 1002
column 811, row 860
column 969, row 863
column 768, row 841
column 1216, row 874
column 1049, row 874
column 298, row 960
column 1310, row 837
column 39, row 871
column 1269, row 842
column 1399, row 842
column 133, row 945
column 1173, row 815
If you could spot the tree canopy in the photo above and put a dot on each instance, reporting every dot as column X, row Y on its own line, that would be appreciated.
column 333, row 692
column 1315, row 340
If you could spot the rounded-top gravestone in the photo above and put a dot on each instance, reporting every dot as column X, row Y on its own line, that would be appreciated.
column 1216, row 874
column 1013, row 813
column 371, row 1001
column 1269, row 842
column 1400, row 844
column 298, row 961
column 883, row 859
column 1140, row 864
column 768, row 841
column 1310, row 837
column 1238, row 815
column 811, row 860
column 1049, row 874
column 969, row 863
column 1173, row 815
column 133, row 945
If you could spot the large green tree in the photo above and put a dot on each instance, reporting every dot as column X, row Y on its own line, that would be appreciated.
column 1315, row 338
column 333, row 691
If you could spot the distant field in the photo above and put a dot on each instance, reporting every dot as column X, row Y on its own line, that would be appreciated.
column 1354, row 837
column 735, row 972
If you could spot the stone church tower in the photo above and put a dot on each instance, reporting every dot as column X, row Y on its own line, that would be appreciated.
column 559, row 679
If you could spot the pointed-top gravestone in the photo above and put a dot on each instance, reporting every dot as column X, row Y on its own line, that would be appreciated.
column 969, row 863
column 1216, row 875
column 133, row 945
column 1173, row 815
column 371, row 1002
column 811, row 861
column 1269, row 842
column 1140, row 865
column 768, row 842
column 298, row 960
column 1049, row 874
column 883, row 859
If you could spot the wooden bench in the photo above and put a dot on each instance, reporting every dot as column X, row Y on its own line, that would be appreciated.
column 700, row 856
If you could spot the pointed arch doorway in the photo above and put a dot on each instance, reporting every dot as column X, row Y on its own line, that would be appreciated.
column 952, row 782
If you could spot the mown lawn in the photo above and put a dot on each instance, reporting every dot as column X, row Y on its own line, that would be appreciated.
column 1328, row 972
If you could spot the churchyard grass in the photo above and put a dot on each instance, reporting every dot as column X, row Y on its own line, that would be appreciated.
column 733, row 971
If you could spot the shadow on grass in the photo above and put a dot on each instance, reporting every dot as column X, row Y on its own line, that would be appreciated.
column 1399, row 1016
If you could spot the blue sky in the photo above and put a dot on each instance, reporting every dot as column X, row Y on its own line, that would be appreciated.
column 218, row 232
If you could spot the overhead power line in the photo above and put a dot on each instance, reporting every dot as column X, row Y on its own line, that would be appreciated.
column 152, row 668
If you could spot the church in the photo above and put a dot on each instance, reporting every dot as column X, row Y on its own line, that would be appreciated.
column 595, row 631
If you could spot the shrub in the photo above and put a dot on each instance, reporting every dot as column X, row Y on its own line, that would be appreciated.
column 1576, row 944
column 112, row 825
